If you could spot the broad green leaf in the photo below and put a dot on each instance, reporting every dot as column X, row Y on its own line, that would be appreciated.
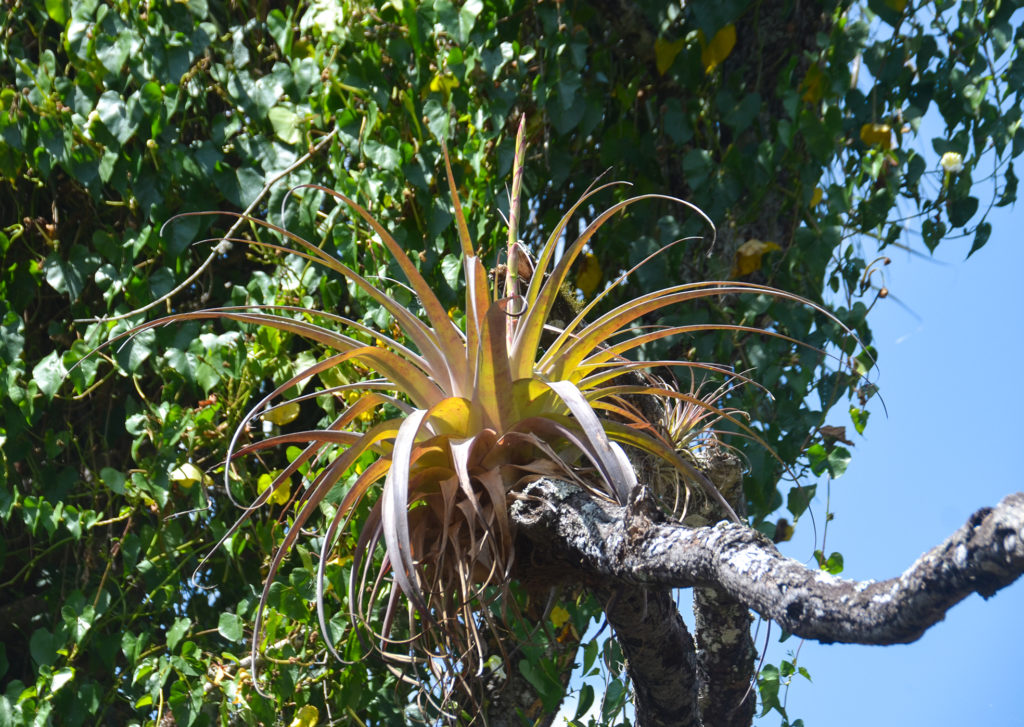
column 833, row 564
column 451, row 268
column 468, row 14
column 838, row 460
column 281, row 29
column 799, row 499
column 177, row 631
column 548, row 688
column 1009, row 195
column 43, row 646
column 78, row 617
column 250, row 184
column 136, row 350
column 230, row 626
column 961, row 210
column 58, row 12
column 49, row 374
column 64, row 276
column 768, row 686
column 286, row 124
column 981, row 235
column 383, row 155
column 60, row 678
column 438, row 119
column 859, row 418
column 614, row 699
column 116, row 117
column 586, row 701
column 199, row 8
column 590, row 650
column 113, row 479
column 818, row 458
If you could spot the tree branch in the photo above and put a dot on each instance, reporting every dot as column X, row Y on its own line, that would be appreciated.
column 659, row 653
column 725, row 659
column 602, row 539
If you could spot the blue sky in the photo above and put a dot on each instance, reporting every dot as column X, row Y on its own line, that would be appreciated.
column 950, row 445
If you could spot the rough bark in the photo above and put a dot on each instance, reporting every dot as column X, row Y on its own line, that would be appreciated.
column 725, row 658
column 725, row 648
column 659, row 650
column 631, row 549
column 607, row 540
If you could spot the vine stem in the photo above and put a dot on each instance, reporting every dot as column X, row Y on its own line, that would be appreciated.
column 223, row 245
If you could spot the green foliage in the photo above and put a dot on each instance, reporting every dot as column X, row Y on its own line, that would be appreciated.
column 114, row 116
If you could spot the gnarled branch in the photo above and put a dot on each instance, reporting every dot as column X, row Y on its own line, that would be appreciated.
column 603, row 539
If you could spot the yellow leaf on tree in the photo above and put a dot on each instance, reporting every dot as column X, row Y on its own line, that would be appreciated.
column 589, row 275
column 559, row 616
column 187, row 475
column 283, row 414
column 280, row 494
column 443, row 83
column 877, row 135
column 306, row 716
column 813, row 85
column 665, row 52
column 748, row 256
column 712, row 54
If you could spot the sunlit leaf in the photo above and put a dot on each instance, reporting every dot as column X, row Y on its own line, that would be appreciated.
column 589, row 275
column 879, row 135
column 559, row 616
column 305, row 716
column 281, row 492
column 187, row 475
column 283, row 414
column 749, row 256
column 230, row 626
column 714, row 53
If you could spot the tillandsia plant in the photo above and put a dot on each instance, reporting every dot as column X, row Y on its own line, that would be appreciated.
column 468, row 414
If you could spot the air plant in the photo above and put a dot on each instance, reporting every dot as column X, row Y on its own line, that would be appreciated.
column 482, row 410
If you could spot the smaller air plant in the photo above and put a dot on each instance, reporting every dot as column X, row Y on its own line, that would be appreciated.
column 483, row 410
